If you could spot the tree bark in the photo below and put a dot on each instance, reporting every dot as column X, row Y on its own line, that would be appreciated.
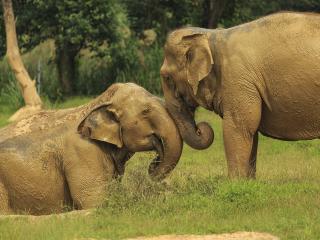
column 213, row 12
column 66, row 63
column 27, row 86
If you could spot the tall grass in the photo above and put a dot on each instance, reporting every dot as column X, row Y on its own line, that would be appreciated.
column 10, row 98
column 94, row 74
column 10, row 94
column 147, row 75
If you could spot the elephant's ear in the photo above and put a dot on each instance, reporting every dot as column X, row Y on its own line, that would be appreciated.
column 101, row 124
column 199, row 59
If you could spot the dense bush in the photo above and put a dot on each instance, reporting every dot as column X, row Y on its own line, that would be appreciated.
column 94, row 73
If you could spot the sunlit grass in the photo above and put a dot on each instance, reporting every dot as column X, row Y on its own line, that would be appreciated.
column 198, row 198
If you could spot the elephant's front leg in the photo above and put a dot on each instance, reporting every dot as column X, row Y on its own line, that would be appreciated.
column 4, row 200
column 88, row 171
column 240, row 135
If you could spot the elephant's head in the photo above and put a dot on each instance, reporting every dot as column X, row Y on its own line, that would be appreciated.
column 130, row 117
column 188, row 81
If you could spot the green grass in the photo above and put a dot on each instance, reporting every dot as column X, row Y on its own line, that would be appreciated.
column 198, row 198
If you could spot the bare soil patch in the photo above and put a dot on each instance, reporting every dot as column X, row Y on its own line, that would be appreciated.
column 225, row 236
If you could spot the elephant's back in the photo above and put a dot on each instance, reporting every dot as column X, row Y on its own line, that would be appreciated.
column 40, row 123
column 279, row 22
column 291, row 32
column 280, row 55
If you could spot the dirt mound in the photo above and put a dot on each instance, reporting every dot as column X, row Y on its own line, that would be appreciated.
column 225, row 236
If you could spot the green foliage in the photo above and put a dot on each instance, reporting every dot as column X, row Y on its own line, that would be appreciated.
column 163, row 15
column 95, row 73
column 96, row 25
column 105, row 37
column 240, row 11
column 10, row 98
column 145, row 74
column 80, row 24
column 43, row 53
column 11, row 95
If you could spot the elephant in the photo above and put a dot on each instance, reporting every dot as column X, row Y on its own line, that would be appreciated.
column 60, row 159
column 259, row 77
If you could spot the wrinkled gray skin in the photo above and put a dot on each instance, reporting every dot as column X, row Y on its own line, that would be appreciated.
column 262, row 76
column 65, row 158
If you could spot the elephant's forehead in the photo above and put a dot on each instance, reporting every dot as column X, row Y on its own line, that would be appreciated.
column 132, row 93
column 176, row 35
column 135, row 98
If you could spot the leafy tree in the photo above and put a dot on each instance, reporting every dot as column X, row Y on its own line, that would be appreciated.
column 163, row 15
column 74, row 25
column 239, row 11
column 32, row 100
column 102, row 26
column 212, row 11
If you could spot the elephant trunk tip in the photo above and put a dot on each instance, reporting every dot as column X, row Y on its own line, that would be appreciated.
column 202, row 138
column 168, row 151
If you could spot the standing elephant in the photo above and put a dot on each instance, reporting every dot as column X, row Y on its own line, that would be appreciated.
column 262, row 76
column 64, row 158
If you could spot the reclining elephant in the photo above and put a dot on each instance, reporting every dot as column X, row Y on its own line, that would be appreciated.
column 262, row 76
column 66, row 157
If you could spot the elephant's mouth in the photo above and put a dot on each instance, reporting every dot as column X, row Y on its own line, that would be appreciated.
column 157, row 144
column 120, row 161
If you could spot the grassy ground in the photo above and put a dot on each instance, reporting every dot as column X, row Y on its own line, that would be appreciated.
column 198, row 198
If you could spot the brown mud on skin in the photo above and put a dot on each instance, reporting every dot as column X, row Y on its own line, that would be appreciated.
column 69, row 156
column 57, row 118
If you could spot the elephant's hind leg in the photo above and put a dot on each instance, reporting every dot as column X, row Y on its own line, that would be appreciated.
column 4, row 200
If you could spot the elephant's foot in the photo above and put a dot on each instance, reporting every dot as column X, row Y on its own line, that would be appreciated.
column 241, row 173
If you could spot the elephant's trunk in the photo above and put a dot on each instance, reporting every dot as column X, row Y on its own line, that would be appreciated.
column 198, row 136
column 168, row 144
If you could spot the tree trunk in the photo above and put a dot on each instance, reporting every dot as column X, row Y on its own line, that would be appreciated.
column 28, row 89
column 213, row 12
column 66, row 63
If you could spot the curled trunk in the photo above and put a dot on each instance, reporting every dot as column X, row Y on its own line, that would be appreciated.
column 168, row 144
column 198, row 136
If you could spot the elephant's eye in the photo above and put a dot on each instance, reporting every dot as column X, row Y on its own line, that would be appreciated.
column 146, row 111
column 189, row 55
column 112, row 116
column 170, row 82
